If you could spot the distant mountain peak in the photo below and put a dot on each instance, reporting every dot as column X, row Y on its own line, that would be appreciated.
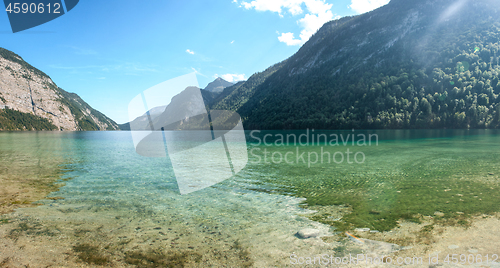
column 218, row 85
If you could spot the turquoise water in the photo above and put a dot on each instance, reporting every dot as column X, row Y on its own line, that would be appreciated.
column 127, row 204
column 407, row 175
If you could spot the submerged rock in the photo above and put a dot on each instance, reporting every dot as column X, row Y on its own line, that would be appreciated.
column 308, row 233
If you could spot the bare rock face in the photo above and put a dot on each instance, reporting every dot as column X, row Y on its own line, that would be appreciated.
column 28, row 90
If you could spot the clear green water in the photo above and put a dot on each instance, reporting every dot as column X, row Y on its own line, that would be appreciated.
column 409, row 174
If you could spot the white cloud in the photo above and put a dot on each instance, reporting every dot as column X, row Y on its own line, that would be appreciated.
column 292, row 6
column 289, row 39
column 232, row 42
column 318, row 13
column 363, row 6
column 231, row 77
column 189, row 51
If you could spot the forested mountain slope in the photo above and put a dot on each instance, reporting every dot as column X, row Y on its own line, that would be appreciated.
column 409, row 64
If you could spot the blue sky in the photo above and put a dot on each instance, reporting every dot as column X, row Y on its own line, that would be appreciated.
column 109, row 51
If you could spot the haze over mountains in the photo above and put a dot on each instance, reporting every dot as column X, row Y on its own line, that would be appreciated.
column 30, row 100
column 209, row 93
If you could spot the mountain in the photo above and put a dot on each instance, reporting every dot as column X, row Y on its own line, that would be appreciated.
column 30, row 100
column 180, row 107
column 209, row 94
column 190, row 101
column 232, row 98
column 409, row 64
column 218, row 85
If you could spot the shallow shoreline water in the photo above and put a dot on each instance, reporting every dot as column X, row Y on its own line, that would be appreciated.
column 30, row 168
column 117, row 208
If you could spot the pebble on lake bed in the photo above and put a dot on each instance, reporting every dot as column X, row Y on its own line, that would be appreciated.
column 439, row 214
column 453, row 247
column 308, row 233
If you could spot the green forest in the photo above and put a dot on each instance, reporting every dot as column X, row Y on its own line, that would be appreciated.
column 15, row 120
column 416, row 72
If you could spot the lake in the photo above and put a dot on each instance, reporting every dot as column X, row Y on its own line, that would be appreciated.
column 117, row 207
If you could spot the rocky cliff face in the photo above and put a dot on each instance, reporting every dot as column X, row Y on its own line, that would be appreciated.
column 28, row 90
